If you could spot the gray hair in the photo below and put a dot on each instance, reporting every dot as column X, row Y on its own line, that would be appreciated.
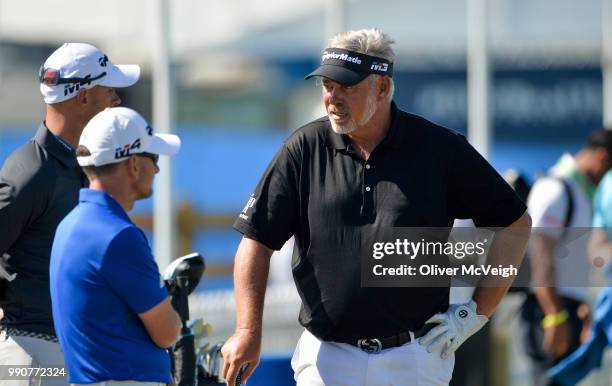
column 371, row 41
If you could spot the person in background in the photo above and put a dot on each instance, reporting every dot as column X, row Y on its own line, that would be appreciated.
column 600, row 243
column 589, row 355
column 39, row 185
column 555, row 315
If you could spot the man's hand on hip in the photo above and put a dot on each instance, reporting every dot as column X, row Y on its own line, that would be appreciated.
column 241, row 349
column 454, row 327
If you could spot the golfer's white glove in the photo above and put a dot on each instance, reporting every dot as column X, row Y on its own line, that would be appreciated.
column 454, row 327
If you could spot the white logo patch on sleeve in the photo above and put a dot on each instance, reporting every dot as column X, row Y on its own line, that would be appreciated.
column 249, row 205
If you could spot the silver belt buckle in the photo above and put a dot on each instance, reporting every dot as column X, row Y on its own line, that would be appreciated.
column 371, row 346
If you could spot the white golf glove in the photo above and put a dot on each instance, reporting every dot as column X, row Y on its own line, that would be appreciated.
column 454, row 327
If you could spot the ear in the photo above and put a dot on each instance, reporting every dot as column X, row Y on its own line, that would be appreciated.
column 384, row 86
column 82, row 96
column 133, row 167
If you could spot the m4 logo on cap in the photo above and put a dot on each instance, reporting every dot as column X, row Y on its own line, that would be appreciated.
column 377, row 66
column 126, row 150
column 71, row 87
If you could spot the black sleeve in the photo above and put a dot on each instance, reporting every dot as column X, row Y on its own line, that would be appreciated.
column 477, row 191
column 24, row 186
column 270, row 215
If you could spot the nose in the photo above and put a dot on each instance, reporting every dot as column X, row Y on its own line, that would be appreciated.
column 333, row 94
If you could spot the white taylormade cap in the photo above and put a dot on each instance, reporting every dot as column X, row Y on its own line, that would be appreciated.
column 115, row 134
column 78, row 65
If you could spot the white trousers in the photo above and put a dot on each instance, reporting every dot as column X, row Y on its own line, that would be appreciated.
column 317, row 363
column 31, row 353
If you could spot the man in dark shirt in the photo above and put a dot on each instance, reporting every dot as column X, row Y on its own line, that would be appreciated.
column 366, row 167
column 39, row 185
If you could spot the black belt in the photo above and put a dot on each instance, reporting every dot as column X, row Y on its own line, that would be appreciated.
column 376, row 345
column 12, row 331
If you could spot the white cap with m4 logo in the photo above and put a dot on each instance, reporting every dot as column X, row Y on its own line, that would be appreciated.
column 115, row 134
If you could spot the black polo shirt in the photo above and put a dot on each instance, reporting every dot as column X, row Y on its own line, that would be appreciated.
column 322, row 192
column 39, row 185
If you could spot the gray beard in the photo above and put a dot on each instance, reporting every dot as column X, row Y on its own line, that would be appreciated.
column 352, row 125
column 344, row 129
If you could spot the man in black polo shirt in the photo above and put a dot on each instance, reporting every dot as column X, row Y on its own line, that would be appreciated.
column 39, row 185
column 365, row 166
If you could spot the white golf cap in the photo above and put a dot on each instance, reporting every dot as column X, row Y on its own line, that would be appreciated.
column 115, row 134
column 90, row 66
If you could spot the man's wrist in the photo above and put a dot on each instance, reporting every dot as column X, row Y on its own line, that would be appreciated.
column 479, row 310
column 555, row 319
column 256, row 330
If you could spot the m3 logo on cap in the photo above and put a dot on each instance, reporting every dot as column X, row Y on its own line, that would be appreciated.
column 126, row 150
column 377, row 66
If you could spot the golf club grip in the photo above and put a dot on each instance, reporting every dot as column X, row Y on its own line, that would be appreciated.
column 239, row 377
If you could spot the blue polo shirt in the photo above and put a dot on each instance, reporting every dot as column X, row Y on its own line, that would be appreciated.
column 602, row 212
column 102, row 275
column 602, row 207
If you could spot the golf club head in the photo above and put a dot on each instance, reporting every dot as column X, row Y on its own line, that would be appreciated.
column 201, row 352
column 210, row 360
column 190, row 266
column 200, row 330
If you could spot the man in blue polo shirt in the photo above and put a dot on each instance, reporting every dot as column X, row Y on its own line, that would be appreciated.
column 111, row 310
